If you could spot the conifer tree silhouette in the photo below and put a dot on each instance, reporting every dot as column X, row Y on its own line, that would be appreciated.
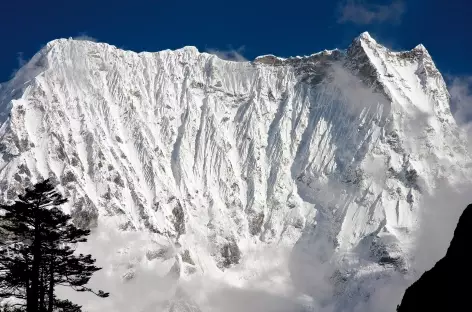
column 37, row 252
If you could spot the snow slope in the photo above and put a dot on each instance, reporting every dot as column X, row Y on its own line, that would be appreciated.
column 305, row 172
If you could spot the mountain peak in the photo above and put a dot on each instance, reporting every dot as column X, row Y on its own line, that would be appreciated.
column 60, row 42
column 420, row 47
column 420, row 50
column 366, row 37
column 192, row 49
column 362, row 43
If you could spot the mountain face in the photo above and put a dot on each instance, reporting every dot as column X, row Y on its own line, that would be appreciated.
column 443, row 287
column 307, row 172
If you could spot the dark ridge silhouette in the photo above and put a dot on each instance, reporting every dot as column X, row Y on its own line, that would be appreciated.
column 447, row 286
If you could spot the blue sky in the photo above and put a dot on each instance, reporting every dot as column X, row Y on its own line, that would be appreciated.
column 251, row 28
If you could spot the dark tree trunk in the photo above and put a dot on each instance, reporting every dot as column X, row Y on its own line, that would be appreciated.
column 42, row 292
column 33, row 303
column 51, row 285
column 27, row 281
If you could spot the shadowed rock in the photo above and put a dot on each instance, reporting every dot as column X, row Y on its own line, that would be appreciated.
column 446, row 287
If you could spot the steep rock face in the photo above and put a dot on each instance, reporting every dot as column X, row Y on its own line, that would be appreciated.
column 445, row 287
column 215, row 160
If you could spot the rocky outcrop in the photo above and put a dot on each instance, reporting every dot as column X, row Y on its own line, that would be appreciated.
column 446, row 287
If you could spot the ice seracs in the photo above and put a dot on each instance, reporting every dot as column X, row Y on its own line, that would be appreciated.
column 329, row 154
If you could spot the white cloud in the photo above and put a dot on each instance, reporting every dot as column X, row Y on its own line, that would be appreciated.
column 234, row 55
column 151, row 289
column 21, row 60
column 359, row 12
column 440, row 214
column 460, row 89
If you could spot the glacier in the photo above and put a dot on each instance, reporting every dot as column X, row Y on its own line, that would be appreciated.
column 279, row 184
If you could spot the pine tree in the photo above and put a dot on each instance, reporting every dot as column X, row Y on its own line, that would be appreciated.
column 67, row 306
column 38, row 251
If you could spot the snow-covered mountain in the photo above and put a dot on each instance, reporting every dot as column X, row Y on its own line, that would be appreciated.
column 298, row 177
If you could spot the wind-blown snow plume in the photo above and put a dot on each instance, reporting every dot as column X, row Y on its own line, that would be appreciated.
column 234, row 55
column 299, row 178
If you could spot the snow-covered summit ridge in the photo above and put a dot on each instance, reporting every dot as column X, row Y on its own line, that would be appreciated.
column 328, row 155
column 58, row 44
column 101, row 45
